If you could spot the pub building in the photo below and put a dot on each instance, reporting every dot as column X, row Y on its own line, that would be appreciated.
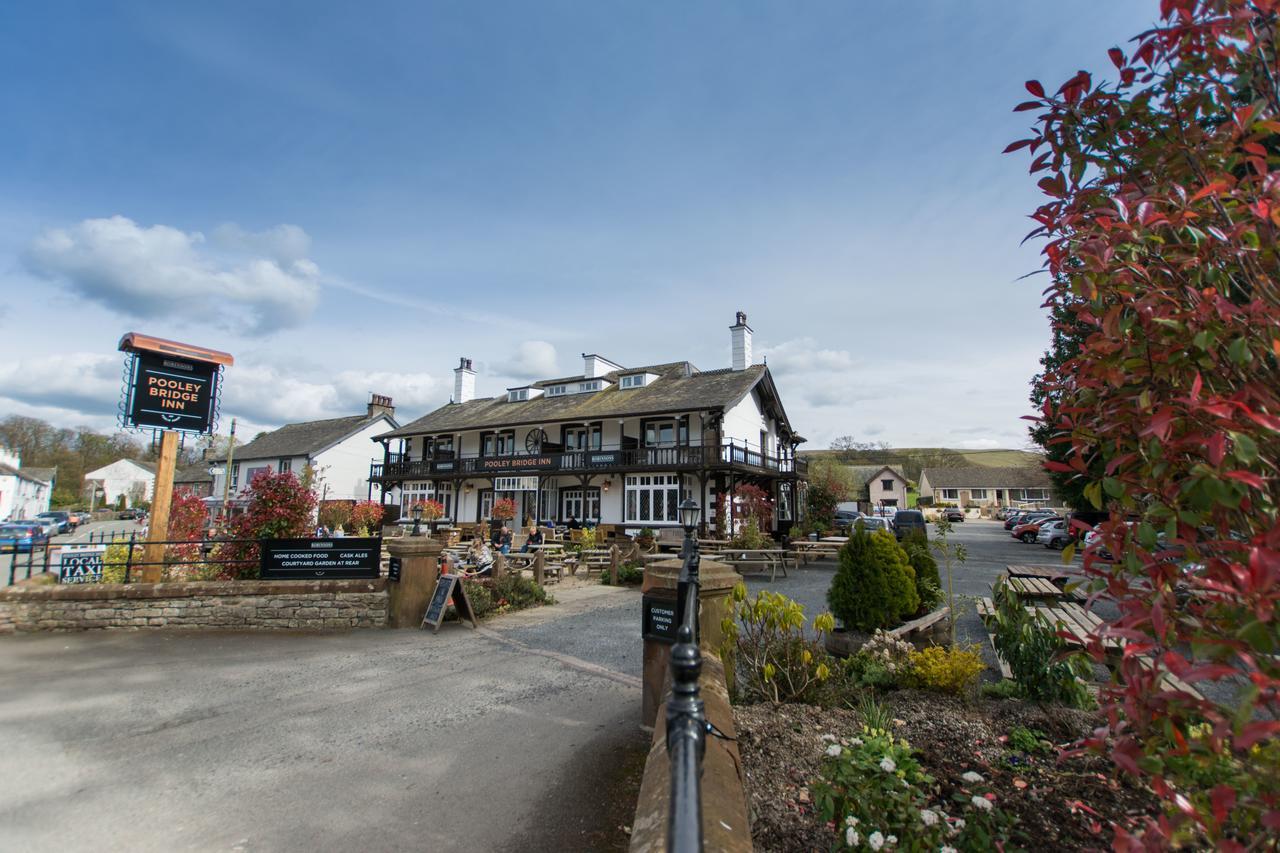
column 614, row 445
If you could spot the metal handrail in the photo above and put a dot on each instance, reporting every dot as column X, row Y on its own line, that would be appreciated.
column 686, row 714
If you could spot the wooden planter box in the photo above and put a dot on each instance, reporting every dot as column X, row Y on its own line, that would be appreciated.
column 931, row 629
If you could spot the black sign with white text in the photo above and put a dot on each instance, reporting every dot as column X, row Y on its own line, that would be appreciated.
column 80, row 564
column 320, row 559
column 168, row 392
column 658, row 618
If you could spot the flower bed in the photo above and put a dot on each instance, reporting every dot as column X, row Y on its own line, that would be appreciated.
column 1007, row 747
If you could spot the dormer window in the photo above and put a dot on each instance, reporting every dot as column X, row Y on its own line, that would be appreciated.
column 518, row 395
column 557, row 390
column 587, row 387
column 636, row 380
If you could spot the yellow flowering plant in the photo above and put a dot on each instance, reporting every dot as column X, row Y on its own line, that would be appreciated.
column 773, row 659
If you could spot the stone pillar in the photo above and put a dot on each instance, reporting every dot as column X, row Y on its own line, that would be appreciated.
column 660, row 581
column 419, row 568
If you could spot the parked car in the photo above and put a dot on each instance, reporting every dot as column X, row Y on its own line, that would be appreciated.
column 62, row 520
column 871, row 523
column 907, row 521
column 1011, row 518
column 1055, row 534
column 21, row 536
column 952, row 513
column 846, row 514
column 132, row 514
column 48, row 525
column 1031, row 516
column 1029, row 530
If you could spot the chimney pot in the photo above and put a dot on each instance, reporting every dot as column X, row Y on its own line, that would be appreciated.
column 464, row 382
column 740, row 334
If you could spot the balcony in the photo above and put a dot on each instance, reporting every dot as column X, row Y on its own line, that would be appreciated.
column 604, row 460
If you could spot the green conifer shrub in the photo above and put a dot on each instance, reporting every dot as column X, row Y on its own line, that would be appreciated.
column 875, row 585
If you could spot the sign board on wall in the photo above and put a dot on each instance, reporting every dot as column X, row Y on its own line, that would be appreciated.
column 321, row 559
column 79, row 563
column 658, row 618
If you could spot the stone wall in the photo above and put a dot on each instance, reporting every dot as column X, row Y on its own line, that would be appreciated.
column 725, row 825
column 240, row 605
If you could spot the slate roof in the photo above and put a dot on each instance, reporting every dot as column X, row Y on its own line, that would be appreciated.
column 195, row 473
column 25, row 473
column 302, row 439
column 983, row 477
column 862, row 474
column 44, row 475
column 679, row 387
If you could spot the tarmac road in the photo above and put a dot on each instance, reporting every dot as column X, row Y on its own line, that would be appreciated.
column 366, row 740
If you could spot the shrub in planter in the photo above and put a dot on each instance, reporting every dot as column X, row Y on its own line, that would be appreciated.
column 771, row 657
column 749, row 536
column 947, row 670
column 876, row 794
column 1044, row 669
column 507, row 593
column 629, row 574
column 928, row 582
column 874, row 586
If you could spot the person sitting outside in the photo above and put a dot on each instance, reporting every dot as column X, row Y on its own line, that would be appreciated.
column 534, row 538
column 480, row 557
column 504, row 540
column 572, row 523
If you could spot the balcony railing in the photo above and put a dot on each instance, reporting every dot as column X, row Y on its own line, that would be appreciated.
column 682, row 457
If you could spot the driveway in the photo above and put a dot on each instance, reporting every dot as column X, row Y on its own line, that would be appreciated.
column 523, row 735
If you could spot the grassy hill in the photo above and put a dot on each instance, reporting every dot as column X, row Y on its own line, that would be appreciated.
column 912, row 459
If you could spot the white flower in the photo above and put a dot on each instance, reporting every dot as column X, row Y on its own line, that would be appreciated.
column 981, row 803
column 892, row 839
column 828, row 737
column 929, row 816
column 957, row 826
column 856, row 742
column 833, row 750
column 876, row 840
column 851, row 820
column 851, row 837
column 887, row 765
column 947, row 848
column 971, row 777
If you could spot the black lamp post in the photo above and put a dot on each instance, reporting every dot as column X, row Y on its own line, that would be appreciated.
column 415, row 512
column 690, row 513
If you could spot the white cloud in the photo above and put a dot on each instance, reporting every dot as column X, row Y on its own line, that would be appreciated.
column 159, row 271
column 86, row 387
column 803, row 355
column 531, row 360
column 982, row 444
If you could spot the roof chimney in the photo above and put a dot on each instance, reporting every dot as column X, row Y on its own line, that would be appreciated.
column 380, row 405
column 594, row 366
column 741, row 333
column 464, row 382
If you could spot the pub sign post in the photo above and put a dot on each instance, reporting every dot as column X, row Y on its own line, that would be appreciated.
column 171, row 387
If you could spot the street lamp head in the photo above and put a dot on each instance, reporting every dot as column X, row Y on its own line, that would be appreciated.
column 690, row 513
column 415, row 512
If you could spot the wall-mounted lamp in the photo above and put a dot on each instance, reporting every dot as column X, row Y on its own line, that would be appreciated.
column 467, row 487
column 604, row 487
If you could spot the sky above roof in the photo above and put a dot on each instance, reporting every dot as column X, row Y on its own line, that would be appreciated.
column 349, row 197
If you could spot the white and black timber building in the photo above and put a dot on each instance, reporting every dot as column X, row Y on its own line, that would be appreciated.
column 613, row 445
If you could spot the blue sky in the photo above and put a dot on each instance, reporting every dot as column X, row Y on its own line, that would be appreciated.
column 348, row 197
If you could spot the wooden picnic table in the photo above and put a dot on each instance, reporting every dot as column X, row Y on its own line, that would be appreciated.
column 1038, row 587
column 772, row 559
column 1048, row 572
column 804, row 547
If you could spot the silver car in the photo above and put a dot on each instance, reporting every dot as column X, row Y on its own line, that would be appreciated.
column 1054, row 534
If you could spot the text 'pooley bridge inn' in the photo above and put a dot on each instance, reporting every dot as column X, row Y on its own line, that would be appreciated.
column 613, row 445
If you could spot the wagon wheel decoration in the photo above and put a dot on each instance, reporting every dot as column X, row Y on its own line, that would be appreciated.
column 534, row 440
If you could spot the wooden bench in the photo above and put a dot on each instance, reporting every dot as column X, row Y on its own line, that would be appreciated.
column 1039, row 587
column 604, row 559
column 805, row 548
column 768, row 559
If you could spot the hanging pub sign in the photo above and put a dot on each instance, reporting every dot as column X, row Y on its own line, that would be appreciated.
column 170, row 386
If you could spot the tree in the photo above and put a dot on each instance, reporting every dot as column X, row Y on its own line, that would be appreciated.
column 829, row 484
column 1067, row 335
column 1161, row 230
column 279, row 506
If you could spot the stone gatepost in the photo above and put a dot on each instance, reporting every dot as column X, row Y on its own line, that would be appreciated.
column 659, row 589
column 419, row 568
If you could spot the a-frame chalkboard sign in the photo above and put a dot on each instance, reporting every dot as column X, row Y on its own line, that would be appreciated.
column 446, row 586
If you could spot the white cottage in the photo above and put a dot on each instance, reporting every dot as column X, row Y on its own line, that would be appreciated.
column 131, row 478
column 24, row 492
column 339, row 450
